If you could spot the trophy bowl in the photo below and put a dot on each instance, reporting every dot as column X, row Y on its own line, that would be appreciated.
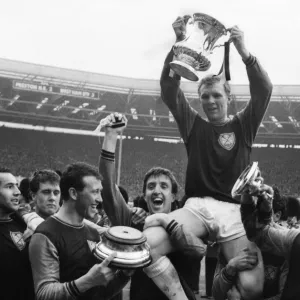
column 246, row 180
column 129, row 244
column 192, row 55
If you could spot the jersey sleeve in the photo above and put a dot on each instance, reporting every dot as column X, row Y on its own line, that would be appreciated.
column 45, row 270
column 222, row 282
column 185, row 241
column 113, row 202
column 175, row 99
column 260, row 91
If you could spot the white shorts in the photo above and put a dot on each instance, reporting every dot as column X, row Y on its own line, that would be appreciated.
column 221, row 219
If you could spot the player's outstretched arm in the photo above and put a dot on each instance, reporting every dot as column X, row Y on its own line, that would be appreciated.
column 114, row 205
column 171, row 93
column 260, row 87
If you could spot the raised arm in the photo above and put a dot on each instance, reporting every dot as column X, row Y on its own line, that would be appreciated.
column 260, row 88
column 114, row 204
column 171, row 93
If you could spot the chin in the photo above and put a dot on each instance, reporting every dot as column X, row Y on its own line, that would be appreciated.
column 161, row 210
column 14, row 208
column 90, row 216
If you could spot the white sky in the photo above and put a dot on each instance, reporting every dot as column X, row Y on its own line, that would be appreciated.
column 131, row 37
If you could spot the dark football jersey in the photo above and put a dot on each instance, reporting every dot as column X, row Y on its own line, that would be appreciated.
column 216, row 154
column 16, row 276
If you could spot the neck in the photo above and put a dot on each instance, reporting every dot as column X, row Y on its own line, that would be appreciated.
column 221, row 121
column 68, row 214
column 4, row 215
column 41, row 214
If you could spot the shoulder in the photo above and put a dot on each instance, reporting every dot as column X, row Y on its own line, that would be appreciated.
column 47, row 225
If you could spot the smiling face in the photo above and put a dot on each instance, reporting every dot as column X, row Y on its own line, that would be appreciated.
column 214, row 101
column 89, row 198
column 47, row 199
column 9, row 194
column 158, row 194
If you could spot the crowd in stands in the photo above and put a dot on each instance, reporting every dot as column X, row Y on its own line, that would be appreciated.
column 26, row 150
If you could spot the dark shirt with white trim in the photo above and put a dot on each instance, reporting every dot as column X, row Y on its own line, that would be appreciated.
column 217, row 155
column 60, row 253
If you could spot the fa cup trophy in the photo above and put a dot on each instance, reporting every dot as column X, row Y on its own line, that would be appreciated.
column 248, row 180
column 204, row 35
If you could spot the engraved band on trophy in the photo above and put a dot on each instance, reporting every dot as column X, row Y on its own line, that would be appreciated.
column 192, row 55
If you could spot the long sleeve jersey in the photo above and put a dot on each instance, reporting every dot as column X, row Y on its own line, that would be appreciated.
column 217, row 155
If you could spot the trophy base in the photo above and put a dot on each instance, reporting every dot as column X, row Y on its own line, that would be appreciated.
column 184, row 70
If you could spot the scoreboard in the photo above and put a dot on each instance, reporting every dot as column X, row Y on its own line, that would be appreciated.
column 54, row 89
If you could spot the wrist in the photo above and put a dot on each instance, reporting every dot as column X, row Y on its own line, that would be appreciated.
column 244, row 53
column 170, row 226
column 180, row 38
column 165, row 222
column 83, row 283
column 230, row 269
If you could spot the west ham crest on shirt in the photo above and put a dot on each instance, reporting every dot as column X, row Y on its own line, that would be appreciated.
column 227, row 140
column 17, row 238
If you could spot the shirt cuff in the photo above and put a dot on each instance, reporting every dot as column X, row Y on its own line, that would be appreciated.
column 250, row 61
column 108, row 155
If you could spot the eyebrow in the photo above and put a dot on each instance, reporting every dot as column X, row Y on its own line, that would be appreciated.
column 49, row 189
column 9, row 183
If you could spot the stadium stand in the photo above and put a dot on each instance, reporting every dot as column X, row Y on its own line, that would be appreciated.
column 26, row 150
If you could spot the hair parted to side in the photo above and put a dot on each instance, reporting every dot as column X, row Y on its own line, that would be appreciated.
column 157, row 171
column 210, row 80
column 72, row 177
column 42, row 176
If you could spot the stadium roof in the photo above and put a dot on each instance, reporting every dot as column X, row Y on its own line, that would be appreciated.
column 51, row 96
column 101, row 82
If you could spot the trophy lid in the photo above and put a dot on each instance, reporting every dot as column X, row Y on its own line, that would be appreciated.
column 129, row 246
column 125, row 235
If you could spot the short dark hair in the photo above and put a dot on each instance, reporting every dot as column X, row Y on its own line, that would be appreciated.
column 157, row 171
column 279, row 203
column 5, row 170
column 42, row 176
column 293, row 206
column 72, row 177
column 123, row 193
column 24, row 188
column 211, row 80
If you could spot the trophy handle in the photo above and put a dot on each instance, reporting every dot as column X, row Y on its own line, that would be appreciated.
column 225, row 71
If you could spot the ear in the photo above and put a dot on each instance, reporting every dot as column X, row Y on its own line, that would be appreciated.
column 33, row 196
column 173, row 197
column 229, row 98
column 73, row 193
